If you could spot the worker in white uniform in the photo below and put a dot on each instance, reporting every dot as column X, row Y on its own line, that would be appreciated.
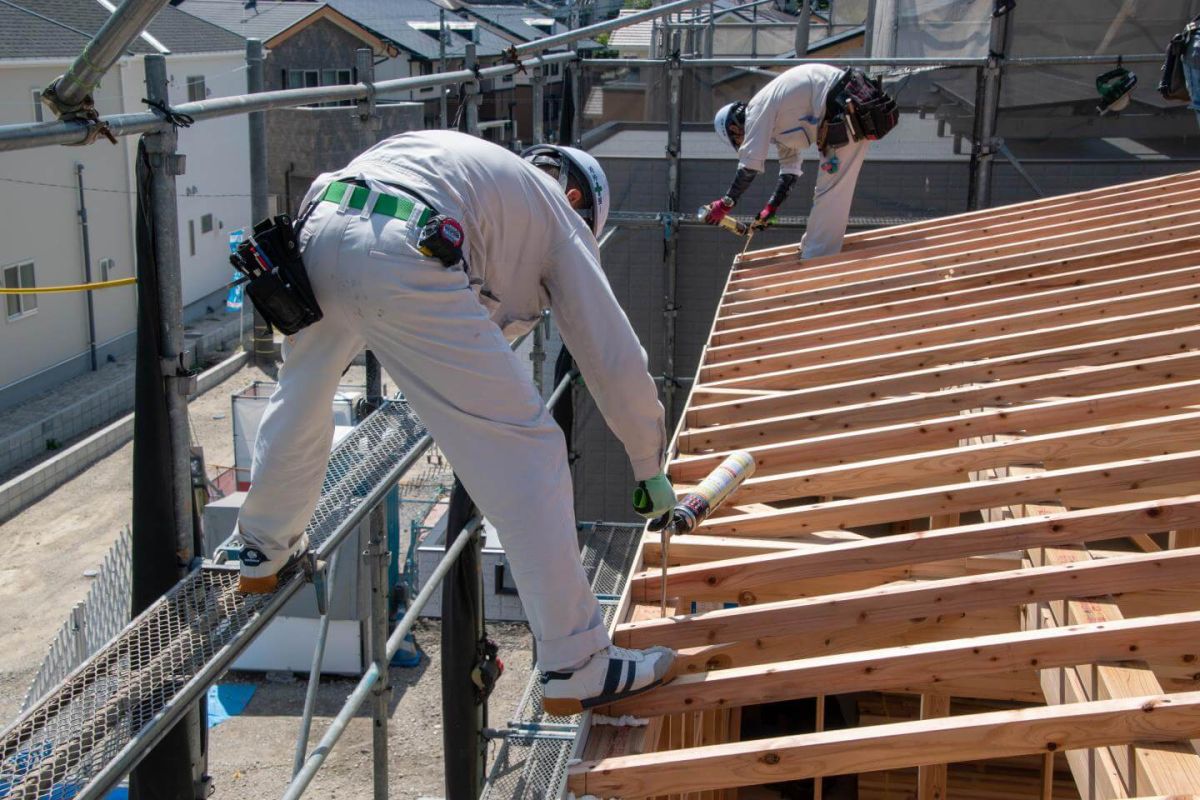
column 839, row 111
column 443, row 333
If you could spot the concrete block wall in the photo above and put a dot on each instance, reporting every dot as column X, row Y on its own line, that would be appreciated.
column 47, row 476
column 106, row 403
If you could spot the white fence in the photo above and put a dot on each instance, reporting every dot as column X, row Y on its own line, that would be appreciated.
column 99, row 617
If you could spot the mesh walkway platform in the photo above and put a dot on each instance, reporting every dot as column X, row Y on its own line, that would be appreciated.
column 83, row 737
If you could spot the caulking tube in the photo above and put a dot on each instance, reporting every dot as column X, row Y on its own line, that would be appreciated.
column 727, row 222
column 694, row 507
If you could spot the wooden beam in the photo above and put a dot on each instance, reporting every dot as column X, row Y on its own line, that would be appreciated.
column 861, row 636
column 807, row 369
column 895, row 270
column 864, row 390
column 973, row 306
column 1102, row 232
column 900, row 333
column 897, row 603
column 1075, row 429
column 1174, row 637
column 729, row 577
column 941, row 294
column 1156, row 769
column 768, row 262
column 1103, row 480
column 965, row 738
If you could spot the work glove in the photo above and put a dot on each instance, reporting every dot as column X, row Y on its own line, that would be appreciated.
column 654, row 497
column 717, row 210
column 765, row 218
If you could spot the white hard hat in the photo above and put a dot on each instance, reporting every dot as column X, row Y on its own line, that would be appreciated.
column 588, row 173
column 727, row 114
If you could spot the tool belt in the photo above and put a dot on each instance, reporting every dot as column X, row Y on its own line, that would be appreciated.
column 274, row 275
column 856, row 108
column 440, row 237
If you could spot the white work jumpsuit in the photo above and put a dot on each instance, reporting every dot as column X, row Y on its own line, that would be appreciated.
column 788, row 111
column 443, row 335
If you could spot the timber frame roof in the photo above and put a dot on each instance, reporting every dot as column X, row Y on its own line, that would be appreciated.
column 975, row 516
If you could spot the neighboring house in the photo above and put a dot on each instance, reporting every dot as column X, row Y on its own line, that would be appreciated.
column 44, row 337
column 518, row 24
column 311, row 44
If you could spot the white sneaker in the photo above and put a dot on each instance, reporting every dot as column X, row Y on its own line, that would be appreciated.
column 609, row 675
column 260, row 575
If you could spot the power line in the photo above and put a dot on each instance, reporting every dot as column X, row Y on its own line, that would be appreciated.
column 106, row 191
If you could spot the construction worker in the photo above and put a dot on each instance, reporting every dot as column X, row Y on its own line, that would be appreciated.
column 840, row 111
column 441, row 327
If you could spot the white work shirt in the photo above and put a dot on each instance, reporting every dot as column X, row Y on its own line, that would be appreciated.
column 527, row 250
column 787, row 111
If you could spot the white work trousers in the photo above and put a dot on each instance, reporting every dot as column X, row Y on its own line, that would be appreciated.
column 454, row 366
column 836, row 179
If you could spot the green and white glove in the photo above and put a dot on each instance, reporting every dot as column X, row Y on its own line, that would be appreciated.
column 654, row 497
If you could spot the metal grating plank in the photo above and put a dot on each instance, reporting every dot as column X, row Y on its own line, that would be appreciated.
column 533, row 768
column 119, row 701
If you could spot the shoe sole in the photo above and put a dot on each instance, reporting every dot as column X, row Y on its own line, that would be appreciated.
column 568, row 707
column 264, row 585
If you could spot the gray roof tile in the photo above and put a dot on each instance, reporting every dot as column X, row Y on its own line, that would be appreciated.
column 61, row 28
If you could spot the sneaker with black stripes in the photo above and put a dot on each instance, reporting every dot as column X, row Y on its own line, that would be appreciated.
column 609, row 675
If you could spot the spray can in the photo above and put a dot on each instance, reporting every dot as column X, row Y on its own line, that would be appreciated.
column 727, row 222
column 694, row 507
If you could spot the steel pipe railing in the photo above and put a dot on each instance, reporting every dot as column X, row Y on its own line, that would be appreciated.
column 26, row 135
column 587, row 31
column 373, row 674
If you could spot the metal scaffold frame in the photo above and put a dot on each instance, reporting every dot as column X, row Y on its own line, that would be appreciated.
column 211, row 586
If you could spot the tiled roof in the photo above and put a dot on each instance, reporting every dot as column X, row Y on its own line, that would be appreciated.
column 61, row 28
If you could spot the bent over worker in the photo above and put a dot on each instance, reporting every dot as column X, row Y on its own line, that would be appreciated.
column 839, row 111
column 441, row 328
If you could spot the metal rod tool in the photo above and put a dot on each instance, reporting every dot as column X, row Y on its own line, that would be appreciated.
column 695, row 506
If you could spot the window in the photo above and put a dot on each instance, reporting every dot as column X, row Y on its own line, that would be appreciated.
column 108, row 268
column 309, row 78
column 192, row 237
column 196, row 90
column 206, row 223
column 38, row 108
column 20, row 276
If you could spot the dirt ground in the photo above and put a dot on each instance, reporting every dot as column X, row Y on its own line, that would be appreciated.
column 47, row 548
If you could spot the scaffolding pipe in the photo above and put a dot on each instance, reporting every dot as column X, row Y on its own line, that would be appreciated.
column 314, row 672
column 538, row 84
column 674, row 147
column 471, row 98
column 373, row 674
column 263, row 339
column 71, row 92
column 443, row 109
column 165, row 164
column 25, row 135
column 987, row 111
column 381, row 691
column 802, row 28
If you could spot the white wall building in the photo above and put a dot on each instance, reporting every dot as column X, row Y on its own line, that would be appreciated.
column 45, row 337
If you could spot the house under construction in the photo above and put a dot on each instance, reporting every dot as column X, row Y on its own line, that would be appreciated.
column 965, row 565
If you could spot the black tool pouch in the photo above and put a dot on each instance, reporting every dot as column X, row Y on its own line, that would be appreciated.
column 859, row 109
column 275, row 278
column 1172, row 85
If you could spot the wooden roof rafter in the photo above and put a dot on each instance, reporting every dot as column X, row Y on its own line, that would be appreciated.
column 978, row 476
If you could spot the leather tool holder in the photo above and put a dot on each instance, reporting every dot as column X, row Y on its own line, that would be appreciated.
column 275, row 278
